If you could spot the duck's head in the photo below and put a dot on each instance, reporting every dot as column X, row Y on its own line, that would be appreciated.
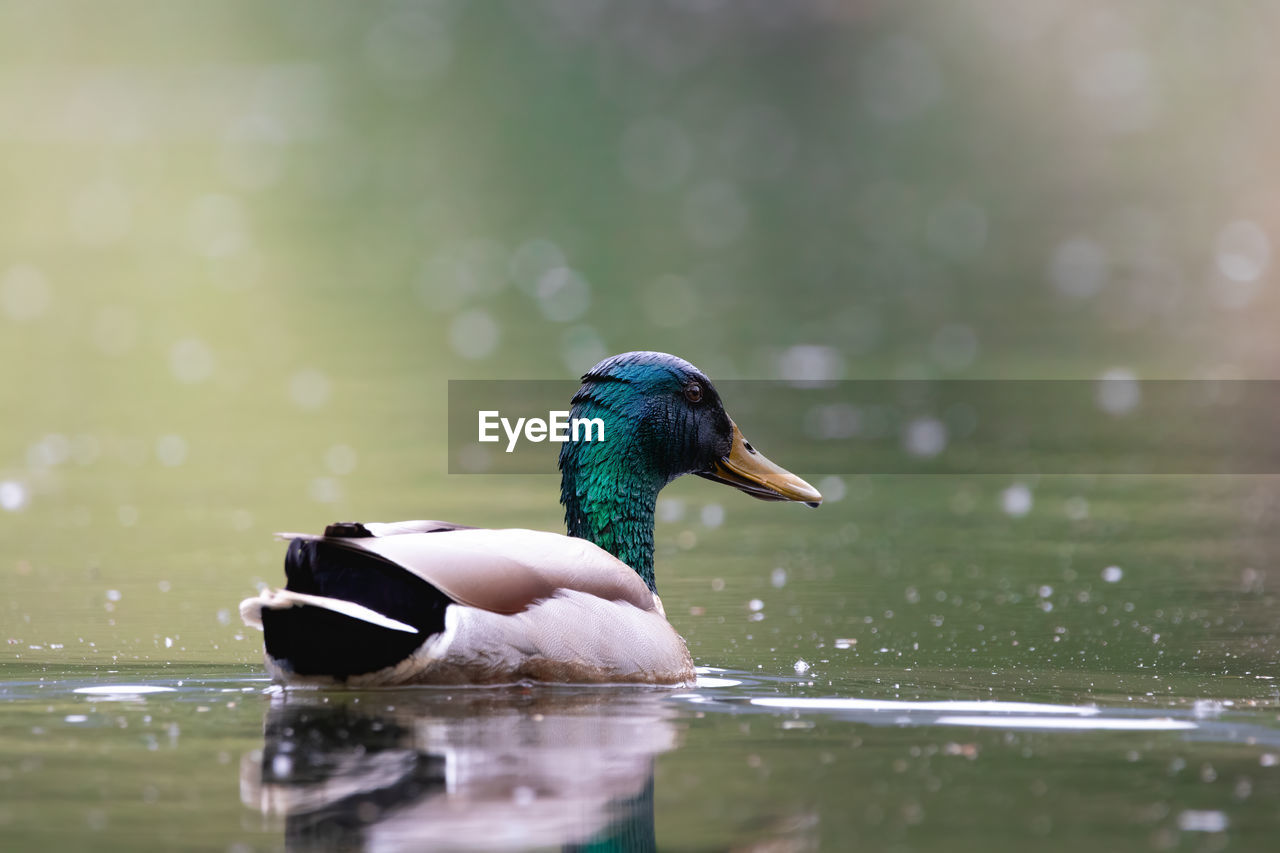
column 662, row 418
column 664, row 415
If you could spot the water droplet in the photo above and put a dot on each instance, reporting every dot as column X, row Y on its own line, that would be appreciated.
column 53, row 449
column 325, row 490
column 563, row 295
column 1079, row 267
column 13, row 495
column 1016, row 500
column 832, row 489
column 474, row 334
column 1242, row 251
column 924, row 437
column 171, row 450
column 1202, row 821
column 340, row 459
column 581, row 347
column 670, row 509
column 24, row 293
column 532, row 260
column 191, row 361
column 281, row 766
column 811, row 363
column 309, row 388
column 1118, row 391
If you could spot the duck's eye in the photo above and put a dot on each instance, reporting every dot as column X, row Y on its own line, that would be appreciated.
column 693, row 392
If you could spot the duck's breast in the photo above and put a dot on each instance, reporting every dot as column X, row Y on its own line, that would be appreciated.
column 570, row 637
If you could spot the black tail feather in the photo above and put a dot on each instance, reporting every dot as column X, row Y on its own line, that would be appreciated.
column 323, row 568
column 314, row 641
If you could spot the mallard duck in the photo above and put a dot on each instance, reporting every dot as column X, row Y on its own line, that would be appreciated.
column 429, row 602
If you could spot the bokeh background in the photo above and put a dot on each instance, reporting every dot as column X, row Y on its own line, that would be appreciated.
column 246, row 244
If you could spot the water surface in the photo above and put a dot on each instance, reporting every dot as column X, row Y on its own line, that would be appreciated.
column 910, row 667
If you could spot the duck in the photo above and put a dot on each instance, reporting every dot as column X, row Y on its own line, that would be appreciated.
column 424, row 602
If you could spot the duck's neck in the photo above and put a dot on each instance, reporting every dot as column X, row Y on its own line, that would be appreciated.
column 618, row 520
column 609, row 497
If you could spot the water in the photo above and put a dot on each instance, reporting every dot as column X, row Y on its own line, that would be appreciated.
column 248, row 244
column 128, row 760
column 886, row 672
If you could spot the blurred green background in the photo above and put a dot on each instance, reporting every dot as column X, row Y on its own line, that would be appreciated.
column 246, row 244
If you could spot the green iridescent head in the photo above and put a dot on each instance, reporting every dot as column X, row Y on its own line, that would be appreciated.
column 662, row 418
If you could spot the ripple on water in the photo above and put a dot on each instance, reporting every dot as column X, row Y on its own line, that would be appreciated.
column 121, row 691
column 1094, row 724
column 986, row 707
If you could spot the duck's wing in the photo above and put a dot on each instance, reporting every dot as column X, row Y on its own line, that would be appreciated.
column 503, row 571
column 362, row 529
column 357, row 529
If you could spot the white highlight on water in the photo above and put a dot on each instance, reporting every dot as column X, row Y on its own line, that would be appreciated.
column 122, row 690
column 1063, row 723
column 993, row 707
column 1202, row 821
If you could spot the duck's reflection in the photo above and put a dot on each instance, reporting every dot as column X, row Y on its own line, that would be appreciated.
column 465, row 770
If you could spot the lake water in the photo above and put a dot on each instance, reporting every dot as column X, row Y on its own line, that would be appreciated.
column 910, row 667
column 247, row 245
